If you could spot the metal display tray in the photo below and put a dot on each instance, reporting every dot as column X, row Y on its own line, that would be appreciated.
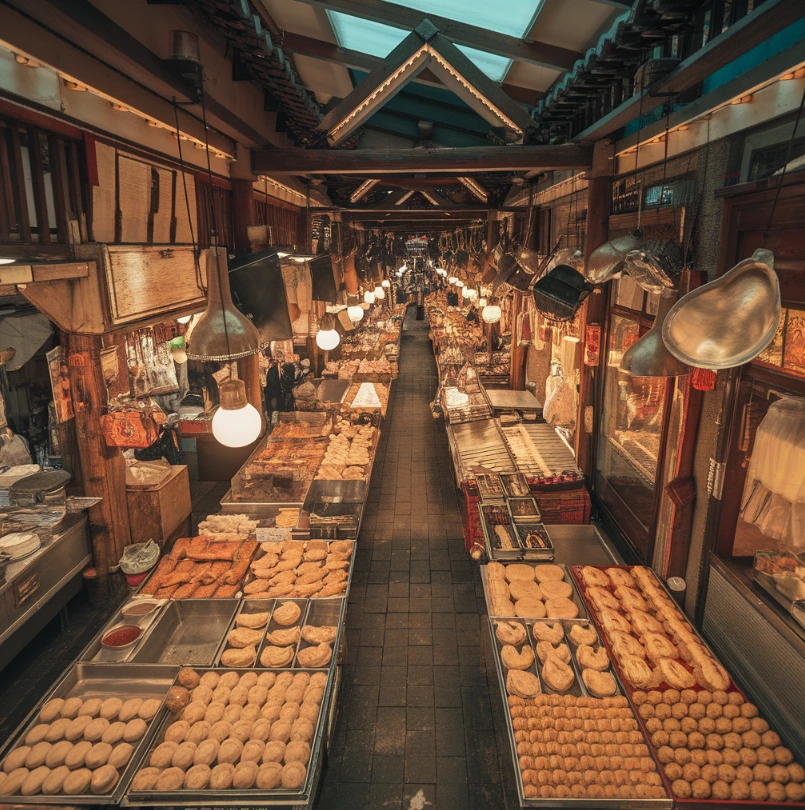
column 597, row 803
column 189, row 632
column 529, row 554
column 524, row 510
column 515, row 485
column 256, row 509
column 576, row 597
column 95, row 651
column 233, row 798
column 488, row 528
column 330, row 611
column 90, row 680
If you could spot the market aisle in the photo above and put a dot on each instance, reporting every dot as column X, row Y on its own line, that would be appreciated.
column 418, row 725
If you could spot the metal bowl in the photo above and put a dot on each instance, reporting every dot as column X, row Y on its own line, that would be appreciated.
column 729, row 321
column 606, row 261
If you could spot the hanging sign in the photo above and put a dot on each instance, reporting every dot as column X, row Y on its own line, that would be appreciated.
column 592, row 345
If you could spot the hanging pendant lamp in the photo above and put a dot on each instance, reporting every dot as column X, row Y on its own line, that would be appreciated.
column 327, row 338
column 236, row 422
column 649, row 356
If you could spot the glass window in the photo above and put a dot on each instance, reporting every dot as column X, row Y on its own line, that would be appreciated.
column 632, row 423
column 516, row 21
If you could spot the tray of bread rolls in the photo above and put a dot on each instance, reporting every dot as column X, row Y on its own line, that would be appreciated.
column 234, row 737
column 531, row 591
column 82, row 742
column 284, row 634
column 574, row 736
column 714, row 747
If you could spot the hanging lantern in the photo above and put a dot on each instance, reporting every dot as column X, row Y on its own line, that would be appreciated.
column 459, row 284
column 354, row 310
column 368, row 297
column 473, row 295
column 222, row 333
column 482, row 302
column 385, row 283
column 327, row 338
column 465, row 292
column 236, row 423
column 380, row 293
column 491, row 312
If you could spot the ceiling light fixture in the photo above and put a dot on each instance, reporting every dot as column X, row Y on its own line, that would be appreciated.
column 327, row 338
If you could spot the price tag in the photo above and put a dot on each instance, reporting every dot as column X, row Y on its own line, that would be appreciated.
column 24, row 589
column 273, row 535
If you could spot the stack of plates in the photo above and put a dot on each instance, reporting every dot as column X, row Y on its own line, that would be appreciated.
column 19, row 544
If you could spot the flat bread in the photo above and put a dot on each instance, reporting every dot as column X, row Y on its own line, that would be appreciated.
column 522, row 684
column 549, row 573
column 520, row 571
column 529, row 609
column 556, row 589
column 561, row 608
column 522, row 589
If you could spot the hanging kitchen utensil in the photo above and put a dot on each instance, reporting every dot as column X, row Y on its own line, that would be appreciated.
column 729, row 321
column 649, row 356
column 656, row 265
column 606, row 261
column 529, row 260
column 560, row 292
column 507, row 266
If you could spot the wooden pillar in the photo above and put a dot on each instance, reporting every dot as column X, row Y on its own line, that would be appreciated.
column 242, row 214
column 599, row 194
column 249, row 372
column 103, row 469
column 518, row 353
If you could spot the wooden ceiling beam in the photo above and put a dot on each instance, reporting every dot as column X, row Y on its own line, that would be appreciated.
column 466, row 160
column 753, row 29
column 536, row 53
column 328, row 52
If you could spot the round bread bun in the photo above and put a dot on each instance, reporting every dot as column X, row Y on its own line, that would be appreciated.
column 221, row 776
column 121, row 754
column 129, row 709
column 556, row 589
column 16, row 759
column 269, row 776
column 13, row 782
column 37, row 734
column 50, row 711
column 111, row 707
column 149, row 708
column 170, row 779
column 75, row 757
column 525, row 589
column 55, row 780
column 529, row 609
column 58, row 754
column 114, row 734
column 134, row 730
column 33, row 782
column 70, row 707
column 520, row 571
column 197, row 777
column 561, row 608
column 104, row 779
column 91, row 706
column 188, row 678
column 77, row 782
column 75, row 731
column 548, row 573
column 145, row 779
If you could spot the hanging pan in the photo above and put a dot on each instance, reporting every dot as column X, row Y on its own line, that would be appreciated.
column 606, row 261
column 656, row 265
column 729, row 321
column 560, row 292
column 649, row 356
column 507, row 266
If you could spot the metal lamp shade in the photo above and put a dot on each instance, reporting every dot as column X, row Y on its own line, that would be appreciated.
column 222, row 333
column 649, row 357
column 606, row 261
column 729, row 321
column 507, row 266
column 560, row 292
column 656, row 265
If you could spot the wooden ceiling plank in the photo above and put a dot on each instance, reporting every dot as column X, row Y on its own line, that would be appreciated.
column 537, row 53
column 466, row 160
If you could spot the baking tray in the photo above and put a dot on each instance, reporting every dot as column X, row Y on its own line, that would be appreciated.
column 576, row 597
column 523, row 510
column 189, row 633
column 515, row 485
column 95, row 651
column 486, row 511
column 237, row 798
column 258, row 509
column 522, row 529
column 597, row 803
column 89, row 680
column 687, row 804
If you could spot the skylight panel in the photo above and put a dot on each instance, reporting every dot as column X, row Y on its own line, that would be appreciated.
column 376, row 39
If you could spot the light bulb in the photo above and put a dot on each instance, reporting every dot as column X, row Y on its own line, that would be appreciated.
column 327, row 339
column 465, row 292
column 380, row 293
column 452, row 280
column 236, row 428
column 7, row 261
column 355, row 313
column 459, row 284
column 491, row 313
column 385, row 283
column 482, row 302
column 368, row 297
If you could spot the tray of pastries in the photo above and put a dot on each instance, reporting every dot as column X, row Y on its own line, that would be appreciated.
column 502, row 542
column 531, row 591
column 284, row 633
column 314, row 569
column 713, row 744
column 82, row 742
column 515, row 485
column 200, row 568
column 235, row 737
column 569, row 745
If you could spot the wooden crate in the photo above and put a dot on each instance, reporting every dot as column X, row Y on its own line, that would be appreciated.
column 155, row 512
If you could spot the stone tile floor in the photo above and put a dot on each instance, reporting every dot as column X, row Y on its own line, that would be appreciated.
column 420, row 720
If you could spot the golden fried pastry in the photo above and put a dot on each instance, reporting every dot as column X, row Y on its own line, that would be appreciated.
column 257, row 696
column 198, row 732
column 675, row 674
column 283, row 636
column 589, row 658
column 230, row 750
column 239, row 657
column 524, row 589
column 521, row 571
column 620, row 577
column 637, row 672
column 50, row 710
column 77, row 782
column 13, row 781
column 594, row 577
column 548, row 573
column 178, row 697
column 54, row 782
column 244, row 637
column 91, row 706
column 104, row 779
column 611, row 621
column 221, row 776
column 276, row 657
column 630, row 598
column 58, row 753
column 561, row 608
column 170, row 779
column 529, row 609
column 625, row 644
column 253, row 751
column 321, row 634
column 110, row 708
column 583, row 634
column 37, row 755
column 512, row 659
column 315, row 657
column 242, row 730
column 269, row 776
column 522, row 684
column 207, row 752
column 557, row 674
column 287, row 613
column 602, row 599
column 32, row 784
column 145, row 780
column 711, row 675
column 184, row 755
column 239, row 696
column 658, row 646
column 545, row 649
column 599, row 684
column 195, row 712
column 293, row 775
column 98, row 755
column 202, row 693
column 188, row 678
column 134, row 730
column 512, row 633
column 556, row 589
column 644, row 623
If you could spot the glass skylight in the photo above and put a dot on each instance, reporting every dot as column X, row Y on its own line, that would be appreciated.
column 377, row 39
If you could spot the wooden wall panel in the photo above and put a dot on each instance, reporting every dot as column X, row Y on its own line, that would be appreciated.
column 104, row 195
